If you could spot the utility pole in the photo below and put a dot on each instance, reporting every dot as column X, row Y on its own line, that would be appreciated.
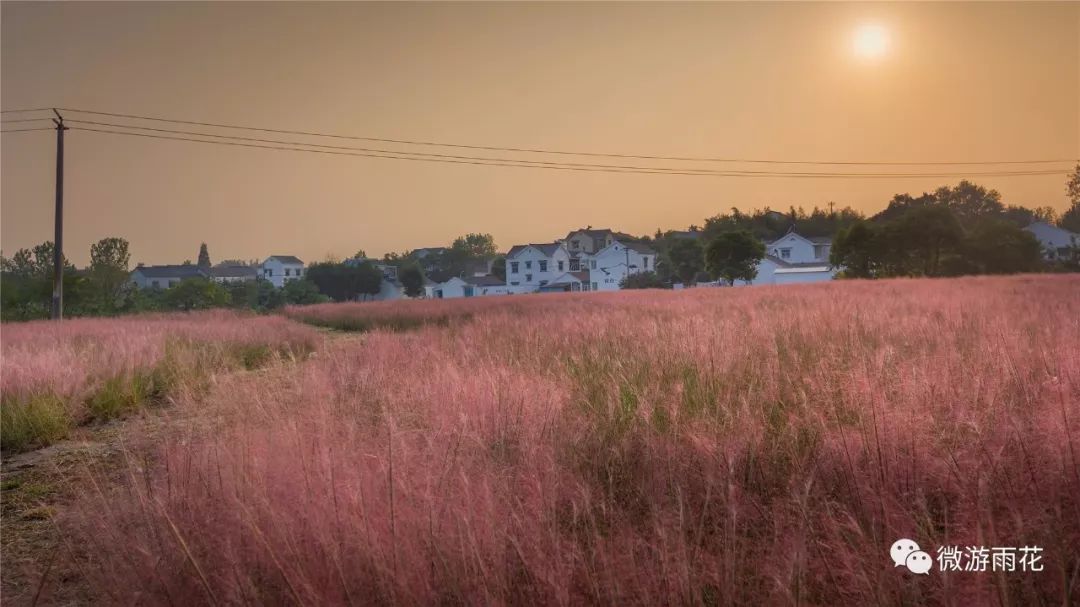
column 58, row 241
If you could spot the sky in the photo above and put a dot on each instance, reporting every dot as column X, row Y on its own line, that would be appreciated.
column 955, row 82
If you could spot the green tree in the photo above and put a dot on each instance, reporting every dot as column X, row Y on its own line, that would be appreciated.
column 642, row 280
column 927, row 234
column 204, row 257
column 412, row 279
column 360, row 254
column 108, row 275
column 996, row 246
column 345, row 282
column 195, row 294
column 1070, row 219
column 685, row 259
column 856, row 249
column 475, row 246
column 302, row 292
column 734, row 256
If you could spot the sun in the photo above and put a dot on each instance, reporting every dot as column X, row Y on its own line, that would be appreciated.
column 871, row 41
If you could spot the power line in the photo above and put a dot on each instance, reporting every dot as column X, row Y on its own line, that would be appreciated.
column 290, row 146
column 540, row 164
column 40, row 128
column 13, row 120
column 26, row 111
column 559, row 152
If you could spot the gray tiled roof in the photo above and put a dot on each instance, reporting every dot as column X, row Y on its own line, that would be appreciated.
column 547, row 248
column 638, row 246
column 484, row 281
column 234, row 271
column 172, row 271
column 287, row 259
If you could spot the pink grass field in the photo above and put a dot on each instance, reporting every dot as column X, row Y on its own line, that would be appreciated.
column 740, row 446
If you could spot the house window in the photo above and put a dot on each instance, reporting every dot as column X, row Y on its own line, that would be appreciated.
column 299, row 271
column 528, row 277
column 514, row 284
column 592, row 264
column 646, row 262
column 513, row 267
column 286, row 271
column 560, row 266
column 268, row 271
column 438, row 293
column 594, row 286
column 528, row 265
column 156, row 284
column 468, row 291
column 543, row 282
column 785, row 253
column 543, row 266
column 575, row 265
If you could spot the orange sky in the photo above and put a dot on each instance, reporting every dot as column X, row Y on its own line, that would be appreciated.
column 960, row 82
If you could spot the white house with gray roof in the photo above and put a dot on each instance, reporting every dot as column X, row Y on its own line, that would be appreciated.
column 609, row 266
column 280, row 269
column 532, row 266
column 163, row 277
column 469, row 286
column 1056, row 242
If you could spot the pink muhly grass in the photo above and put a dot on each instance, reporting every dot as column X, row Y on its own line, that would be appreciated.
column 719, row 446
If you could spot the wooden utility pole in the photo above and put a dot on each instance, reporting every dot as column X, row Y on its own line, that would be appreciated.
column 58, row 241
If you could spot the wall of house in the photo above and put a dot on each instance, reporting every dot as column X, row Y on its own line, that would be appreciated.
column 608, row 267
column 529, row 277
column 276, row 274
column 800, row 250
column 787, row 276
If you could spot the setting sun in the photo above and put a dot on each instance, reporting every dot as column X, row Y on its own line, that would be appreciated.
column 871, row 41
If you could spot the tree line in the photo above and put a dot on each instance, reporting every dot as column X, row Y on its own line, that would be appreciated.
column 952, row 231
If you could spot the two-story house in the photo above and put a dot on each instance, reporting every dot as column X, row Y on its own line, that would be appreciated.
column 794, row 258
column 532, row 266
column 610, row 265
column 280, row 269
column 588, row 241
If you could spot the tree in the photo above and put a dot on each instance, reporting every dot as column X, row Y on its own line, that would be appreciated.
column 360, row 254
column 196, row 294
column 1070, row 219
column 109, row 286
column 345, row 282
column 642, row 280
column 475, row 246
column 204, row 257
column 856, row 250
column 999, row 247
column 412, row 279
column 685, row 258
column 302, row 292
column 734, row 256
column 928, row 233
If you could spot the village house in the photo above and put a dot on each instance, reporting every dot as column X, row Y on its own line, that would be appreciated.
column 163, row 277
column 280, row 269
column 1056, row 242
column 468, row 286
column 609, row 266
column 532, row 266
column 794, row 258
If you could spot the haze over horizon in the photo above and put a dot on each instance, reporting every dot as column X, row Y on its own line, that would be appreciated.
column 823, row 82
